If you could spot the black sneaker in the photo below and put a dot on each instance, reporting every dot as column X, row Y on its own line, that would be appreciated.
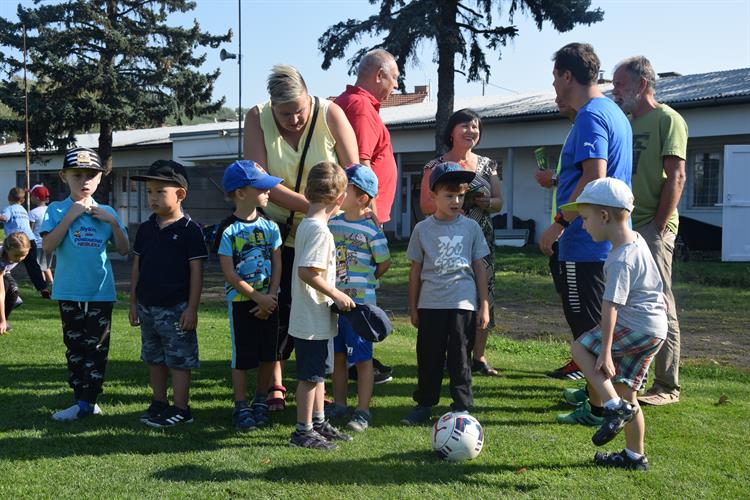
column 379, row 376
column 330, row 433
column 621, row 460
column 615, row 420
column 155, row 409
column 311, row 440
column 418, row 416
column 381, row 367
column 170, row 417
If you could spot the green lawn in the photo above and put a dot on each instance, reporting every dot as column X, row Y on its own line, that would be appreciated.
column 696, row 448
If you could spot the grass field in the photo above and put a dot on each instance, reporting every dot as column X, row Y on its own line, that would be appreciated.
column 696, row 448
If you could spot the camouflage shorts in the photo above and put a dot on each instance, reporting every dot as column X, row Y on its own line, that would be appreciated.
column 163, row 342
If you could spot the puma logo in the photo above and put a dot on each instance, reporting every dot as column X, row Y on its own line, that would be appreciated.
column 590, row 144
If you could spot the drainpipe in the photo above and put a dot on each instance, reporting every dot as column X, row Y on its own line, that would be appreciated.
column 508, row 182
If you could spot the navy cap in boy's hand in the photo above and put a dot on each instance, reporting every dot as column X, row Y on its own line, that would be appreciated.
column 368, row 321
column 165, row 171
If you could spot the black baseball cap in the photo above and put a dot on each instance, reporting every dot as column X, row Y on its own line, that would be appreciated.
column 165, row 171
column 83, row 158
column 368, row 321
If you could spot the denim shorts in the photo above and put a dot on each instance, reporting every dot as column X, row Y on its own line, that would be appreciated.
column 356, row 348
column 311, row 359
column 632, row 353
column 163, row 342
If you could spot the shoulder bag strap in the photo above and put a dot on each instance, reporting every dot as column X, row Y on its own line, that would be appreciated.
column 314, row 118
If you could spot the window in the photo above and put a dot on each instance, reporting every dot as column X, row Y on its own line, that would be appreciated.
column 706, row 183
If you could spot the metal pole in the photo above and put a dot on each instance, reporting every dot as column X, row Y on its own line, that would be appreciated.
column 239, row 83
column 26, row 119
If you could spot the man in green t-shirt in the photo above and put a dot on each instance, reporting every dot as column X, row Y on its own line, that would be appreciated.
column 659, row 151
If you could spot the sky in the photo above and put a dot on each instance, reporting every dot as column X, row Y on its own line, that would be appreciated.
column 686, row 36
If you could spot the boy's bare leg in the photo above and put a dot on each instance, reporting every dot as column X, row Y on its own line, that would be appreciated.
column 306, row 398
column 158, row 375
column 181, row 387
column 239, row 384
column 365, row 384
column 340, row 378
column 635, row 430
column 320, row 393
column 596, row 380
column 265, row 377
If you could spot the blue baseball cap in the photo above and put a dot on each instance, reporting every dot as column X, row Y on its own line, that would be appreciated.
column 247, row 173
column 364, row 178
column 449, row 171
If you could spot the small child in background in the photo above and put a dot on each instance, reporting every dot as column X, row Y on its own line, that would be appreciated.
column 39, row 196
column 15, row 248
column 311, row 322
column 362, row 257
column 616, row 355
column 78, row 228
column 16, row 220
column 165, row 291
column 250, row 258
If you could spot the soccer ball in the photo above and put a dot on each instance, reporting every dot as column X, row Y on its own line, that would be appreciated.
column 457, row 436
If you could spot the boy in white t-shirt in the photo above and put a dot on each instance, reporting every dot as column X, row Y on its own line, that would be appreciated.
column 39, row 196
column 311, row 322
column 616, row 355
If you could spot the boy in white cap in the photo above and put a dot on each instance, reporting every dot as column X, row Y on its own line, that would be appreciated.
column 616, row 355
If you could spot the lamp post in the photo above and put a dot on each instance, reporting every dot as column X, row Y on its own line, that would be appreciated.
column 224, row 55
column 26, row 120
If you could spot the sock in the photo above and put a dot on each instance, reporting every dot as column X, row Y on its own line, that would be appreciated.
column 632, row 454
column 260, row 398
column 318, row 417
column 304, row 427
column 612, row 403
column 238, row 405
column 597, row 411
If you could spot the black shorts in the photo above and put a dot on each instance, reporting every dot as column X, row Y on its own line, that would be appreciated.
column 311, row 359
column 254, row 340
column 582, row 287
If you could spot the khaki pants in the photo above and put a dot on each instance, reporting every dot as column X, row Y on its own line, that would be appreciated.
column 667, row 362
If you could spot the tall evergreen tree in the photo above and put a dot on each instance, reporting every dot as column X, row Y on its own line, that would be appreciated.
column 108, row 64
column 456, row 28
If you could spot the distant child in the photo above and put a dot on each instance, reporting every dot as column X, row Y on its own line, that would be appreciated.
column 16, row 220
column 361, row 258
column 15, row 248
column 312, row 323
column 39, row 196
column 447, row 286
column 78, row 229
column 615, row 356
column 250, row 258
column 165, row 291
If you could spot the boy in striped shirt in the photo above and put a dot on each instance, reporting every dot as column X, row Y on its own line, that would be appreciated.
column 362, row 257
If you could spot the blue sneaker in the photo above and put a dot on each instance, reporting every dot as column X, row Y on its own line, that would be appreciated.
column 260, row 414
column 243, row 419
column 419, row 415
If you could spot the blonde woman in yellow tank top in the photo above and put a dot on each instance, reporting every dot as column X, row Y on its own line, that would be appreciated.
column 275, row 133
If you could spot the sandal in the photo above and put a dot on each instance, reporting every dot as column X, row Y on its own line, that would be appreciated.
column 483, row 368
column 278, row 403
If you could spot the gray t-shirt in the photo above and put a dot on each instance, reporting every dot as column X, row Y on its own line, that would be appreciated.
column 633, row 282
column 446, row 251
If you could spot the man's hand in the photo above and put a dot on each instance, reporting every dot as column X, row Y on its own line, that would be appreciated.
column 605, row 364
column 133, row 315
column 549, row 236
column 544, row 178
column 189, row 320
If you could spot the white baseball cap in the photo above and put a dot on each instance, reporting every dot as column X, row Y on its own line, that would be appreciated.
column 608, row 192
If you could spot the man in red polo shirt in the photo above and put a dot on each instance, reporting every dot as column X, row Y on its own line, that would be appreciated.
column 377, row 76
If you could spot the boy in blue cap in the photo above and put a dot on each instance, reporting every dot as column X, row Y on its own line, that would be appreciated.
column 447, row 293
column 250, row 258
column 362, row 257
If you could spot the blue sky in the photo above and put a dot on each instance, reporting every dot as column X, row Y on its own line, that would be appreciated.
column 686, row 36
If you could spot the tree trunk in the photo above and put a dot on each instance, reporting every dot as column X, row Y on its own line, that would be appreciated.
column 105, row 145
column 446, row 45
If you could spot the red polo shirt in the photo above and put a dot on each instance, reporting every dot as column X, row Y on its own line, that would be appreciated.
column 374, row 142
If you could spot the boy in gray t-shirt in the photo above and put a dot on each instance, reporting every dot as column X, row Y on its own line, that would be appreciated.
column 615, row 356
column 447, row 293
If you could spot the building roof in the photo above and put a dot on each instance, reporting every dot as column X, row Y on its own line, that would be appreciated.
column 699, row 90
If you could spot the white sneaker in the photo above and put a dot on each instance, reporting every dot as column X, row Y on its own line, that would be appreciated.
column 71, row 413
column 97, row 410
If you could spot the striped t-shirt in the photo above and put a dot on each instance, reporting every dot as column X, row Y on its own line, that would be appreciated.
column 360, row 246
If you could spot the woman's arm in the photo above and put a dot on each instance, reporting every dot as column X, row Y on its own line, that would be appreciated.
column 426, row 205
column 254, row 147
column 343, row 134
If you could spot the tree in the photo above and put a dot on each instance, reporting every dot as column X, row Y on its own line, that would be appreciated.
column 108, row 64
column 456, row 28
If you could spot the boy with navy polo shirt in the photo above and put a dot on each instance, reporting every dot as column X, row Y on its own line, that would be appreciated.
column 362, row 257
column 78, row 229
column 250, row 258
column 165, row 290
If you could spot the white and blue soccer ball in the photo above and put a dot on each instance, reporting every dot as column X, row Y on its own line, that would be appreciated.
column 457, row 436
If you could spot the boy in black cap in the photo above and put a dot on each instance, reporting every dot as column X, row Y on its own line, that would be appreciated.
column 165, row 290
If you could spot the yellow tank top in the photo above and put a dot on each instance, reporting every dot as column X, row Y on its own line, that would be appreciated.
column 283, row 160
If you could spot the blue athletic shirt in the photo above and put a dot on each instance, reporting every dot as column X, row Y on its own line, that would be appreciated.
column 250, row 244
column 601, row 130
column 83, row 272
column 17, row 221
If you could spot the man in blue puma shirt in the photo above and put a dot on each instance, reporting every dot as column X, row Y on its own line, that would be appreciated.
column 599, row 145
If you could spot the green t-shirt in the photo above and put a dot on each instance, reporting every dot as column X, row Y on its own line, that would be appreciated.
column 659, row 133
